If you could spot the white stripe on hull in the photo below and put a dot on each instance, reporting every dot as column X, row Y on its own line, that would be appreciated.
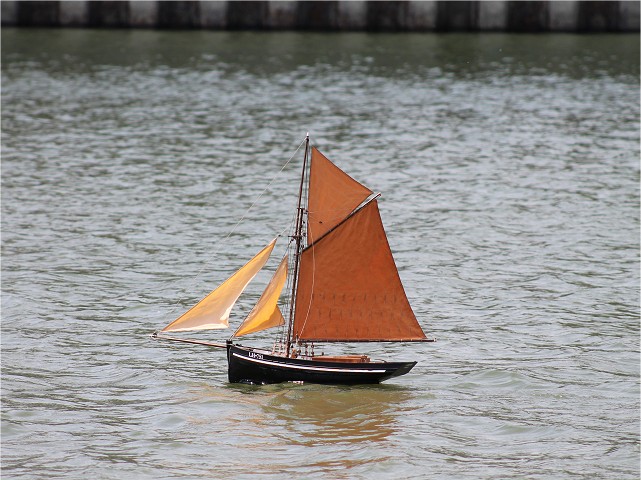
column 303, row 367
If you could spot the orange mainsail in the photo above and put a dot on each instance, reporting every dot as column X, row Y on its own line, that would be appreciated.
column 348, row 286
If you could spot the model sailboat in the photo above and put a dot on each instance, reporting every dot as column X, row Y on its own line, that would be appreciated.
column 343, row 287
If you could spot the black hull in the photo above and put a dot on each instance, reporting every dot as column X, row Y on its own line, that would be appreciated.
column 247, row 365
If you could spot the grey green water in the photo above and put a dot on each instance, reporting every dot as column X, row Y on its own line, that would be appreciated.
column 509, row 167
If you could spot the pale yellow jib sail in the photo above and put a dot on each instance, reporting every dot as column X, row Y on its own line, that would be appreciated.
column 266, row 313
column 213, row 311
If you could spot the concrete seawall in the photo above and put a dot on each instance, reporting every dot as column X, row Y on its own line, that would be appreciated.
column 372, row 16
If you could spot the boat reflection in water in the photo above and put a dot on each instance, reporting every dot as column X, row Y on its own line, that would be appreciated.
column 314, row 414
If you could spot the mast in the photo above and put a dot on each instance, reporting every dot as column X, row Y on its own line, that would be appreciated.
column 298, row 237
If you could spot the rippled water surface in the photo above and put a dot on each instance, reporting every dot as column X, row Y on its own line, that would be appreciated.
column 509, row 167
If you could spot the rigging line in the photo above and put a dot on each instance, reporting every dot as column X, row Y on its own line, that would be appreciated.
column 217, row 243
column 282, row 231
column 298, row 238
column 281, row 331
column 311, row 294
column 309, row 241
